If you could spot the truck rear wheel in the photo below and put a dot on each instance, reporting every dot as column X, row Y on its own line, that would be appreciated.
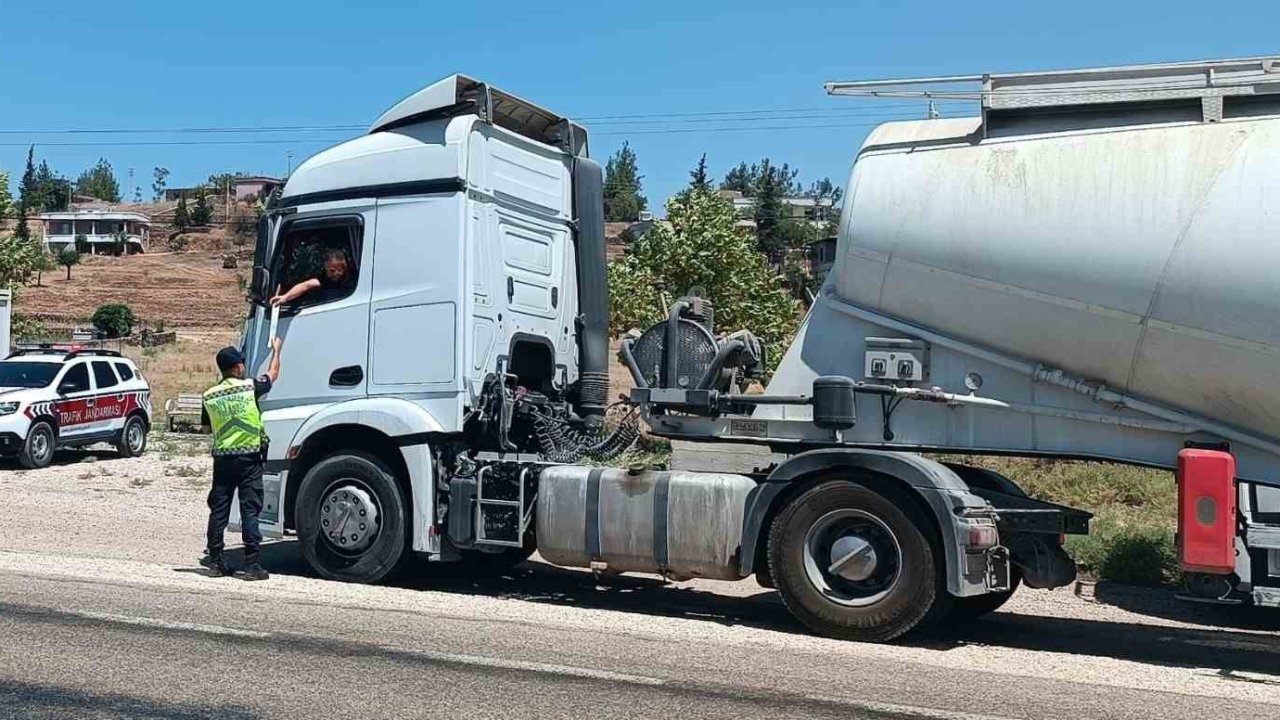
column 852, row 564
column 351, row 515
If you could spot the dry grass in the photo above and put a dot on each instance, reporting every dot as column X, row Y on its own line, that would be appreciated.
column 184, row 290
column 184, row 367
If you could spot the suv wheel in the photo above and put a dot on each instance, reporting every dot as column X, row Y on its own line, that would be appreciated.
column 37, row 451
column 133, row 437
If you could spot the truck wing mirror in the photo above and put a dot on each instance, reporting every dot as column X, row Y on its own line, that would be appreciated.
column 260, row 286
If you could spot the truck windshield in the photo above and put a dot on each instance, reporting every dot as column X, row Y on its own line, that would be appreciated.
column 27, row 374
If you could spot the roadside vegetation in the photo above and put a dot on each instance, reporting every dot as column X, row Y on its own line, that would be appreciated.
column 1131, row 536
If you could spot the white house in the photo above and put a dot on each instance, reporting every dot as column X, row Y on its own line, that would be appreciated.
column 98, row 228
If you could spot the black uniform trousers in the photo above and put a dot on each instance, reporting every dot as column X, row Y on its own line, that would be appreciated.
column 232, row 474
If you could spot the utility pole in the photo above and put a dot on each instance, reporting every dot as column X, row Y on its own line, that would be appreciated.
column 133, row 189
column 289, row 155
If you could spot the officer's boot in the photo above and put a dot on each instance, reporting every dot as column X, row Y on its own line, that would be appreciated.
column 252, row 570
column 214, row 564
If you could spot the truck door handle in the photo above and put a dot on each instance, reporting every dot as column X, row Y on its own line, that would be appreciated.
column 349, row 376
column 511, row 288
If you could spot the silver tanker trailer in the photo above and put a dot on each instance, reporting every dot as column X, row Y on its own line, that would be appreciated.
column 1089, row 268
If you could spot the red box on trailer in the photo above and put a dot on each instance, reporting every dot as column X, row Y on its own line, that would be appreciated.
column 1207, row 511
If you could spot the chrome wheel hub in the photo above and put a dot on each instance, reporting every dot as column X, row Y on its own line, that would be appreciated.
column 852, row 557
column 134, row 436
column 40, row 445
column 349, row 517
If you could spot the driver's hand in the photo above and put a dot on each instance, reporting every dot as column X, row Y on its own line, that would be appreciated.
column 274, row 301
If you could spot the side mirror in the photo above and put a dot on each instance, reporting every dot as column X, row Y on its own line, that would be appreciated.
column 260, row 285
column 67, row 388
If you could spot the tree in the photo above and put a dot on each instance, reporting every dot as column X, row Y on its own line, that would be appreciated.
column 18, row 259
column 119, row 242
column 160, row 179
column 622, row 199
column 741, row 179
column 698, row 177
column 827, row 197
column 68, row 257
column 52, row 191
column 701, row 246
column 44, row 263
column 113, row 320
column 202, row 213
column 769, row 208
column 26, row 195
column 100, row 182
column 181, row 217
column 224, row 183
column 6, row 198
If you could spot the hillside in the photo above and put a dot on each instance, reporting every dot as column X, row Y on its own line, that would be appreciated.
column 184, row 290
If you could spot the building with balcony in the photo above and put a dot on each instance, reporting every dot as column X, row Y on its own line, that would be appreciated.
column 99, row 228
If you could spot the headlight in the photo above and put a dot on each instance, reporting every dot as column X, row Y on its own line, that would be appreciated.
column 9, row 408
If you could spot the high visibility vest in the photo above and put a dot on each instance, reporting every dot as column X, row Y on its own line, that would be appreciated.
column 233, row 411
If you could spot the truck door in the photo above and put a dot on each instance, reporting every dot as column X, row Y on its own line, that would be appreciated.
column 326, row 329
column 415, row 346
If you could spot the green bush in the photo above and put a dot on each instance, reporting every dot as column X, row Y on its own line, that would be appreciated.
column 113, row 320
column 1127, row 550
column 700, row 245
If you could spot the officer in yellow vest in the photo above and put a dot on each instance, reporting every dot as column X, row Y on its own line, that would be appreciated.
column 239, row 449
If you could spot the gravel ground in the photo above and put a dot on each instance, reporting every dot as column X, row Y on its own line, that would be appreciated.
column 96, row 516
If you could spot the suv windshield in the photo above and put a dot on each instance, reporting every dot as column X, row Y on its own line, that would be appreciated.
column 27, row 374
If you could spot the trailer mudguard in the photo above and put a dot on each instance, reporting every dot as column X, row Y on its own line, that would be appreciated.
column 409, row 426
column 941, row 489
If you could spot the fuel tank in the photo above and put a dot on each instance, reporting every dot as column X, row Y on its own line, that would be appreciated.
column 681, row 524
column 1146, row 257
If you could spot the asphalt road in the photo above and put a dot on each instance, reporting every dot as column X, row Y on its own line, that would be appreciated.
column 113, row 639
column 103, row 614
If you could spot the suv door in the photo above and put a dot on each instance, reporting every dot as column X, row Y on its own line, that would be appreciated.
column 74, row 401
column 109, row 402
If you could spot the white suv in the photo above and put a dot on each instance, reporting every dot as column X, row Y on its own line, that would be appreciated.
column 51, row 399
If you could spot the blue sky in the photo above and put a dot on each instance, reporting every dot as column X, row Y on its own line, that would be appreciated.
column 151, row 65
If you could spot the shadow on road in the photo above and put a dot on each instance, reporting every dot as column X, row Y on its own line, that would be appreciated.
column 26, row 700
column 1227, row 651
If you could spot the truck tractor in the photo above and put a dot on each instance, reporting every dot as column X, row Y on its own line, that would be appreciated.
column 1059, row 277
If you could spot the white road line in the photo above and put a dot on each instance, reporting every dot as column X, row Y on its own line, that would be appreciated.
column 172, row 625
column 545, row 668
column 909, row 710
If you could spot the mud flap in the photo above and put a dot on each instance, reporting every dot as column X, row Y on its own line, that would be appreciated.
column 270, row 520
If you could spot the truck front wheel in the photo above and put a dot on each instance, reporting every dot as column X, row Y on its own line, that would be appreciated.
column 852, row 564
column 351, row 518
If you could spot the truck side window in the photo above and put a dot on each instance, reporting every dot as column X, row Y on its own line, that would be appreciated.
column 327, row 251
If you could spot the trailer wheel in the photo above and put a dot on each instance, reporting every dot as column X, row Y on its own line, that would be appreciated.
column 972, row 608
column 852, row 564
column 351, row 514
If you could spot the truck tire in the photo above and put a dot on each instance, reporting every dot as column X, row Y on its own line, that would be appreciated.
column 133, row 437
column 39, row 447
column 351, row 518
column 971, row 608
column 889, row 582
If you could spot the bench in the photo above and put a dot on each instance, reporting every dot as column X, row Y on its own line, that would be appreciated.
column 186, row 410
